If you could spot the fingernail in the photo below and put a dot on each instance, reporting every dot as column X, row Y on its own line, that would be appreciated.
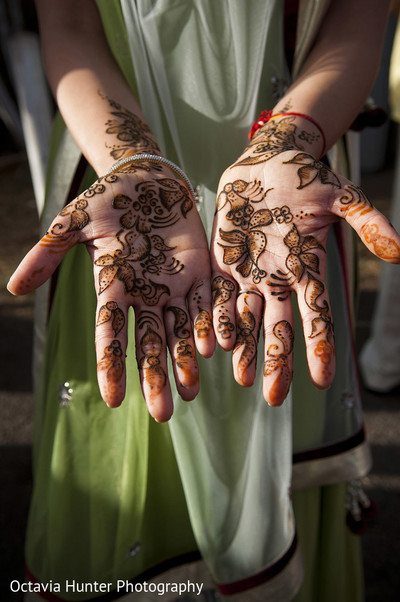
column 9, row 290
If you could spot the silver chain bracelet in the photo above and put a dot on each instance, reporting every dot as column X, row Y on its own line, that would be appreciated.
column 156, row 159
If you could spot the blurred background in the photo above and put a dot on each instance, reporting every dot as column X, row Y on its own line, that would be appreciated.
column 23, row 148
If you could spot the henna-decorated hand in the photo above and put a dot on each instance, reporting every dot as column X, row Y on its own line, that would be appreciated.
column 274, row 209
column 149, row 251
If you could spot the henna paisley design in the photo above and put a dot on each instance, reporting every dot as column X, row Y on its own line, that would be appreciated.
column 314, row 289
column 246, row 325
column 384, row 247
column 111, row 311
column 180, row 322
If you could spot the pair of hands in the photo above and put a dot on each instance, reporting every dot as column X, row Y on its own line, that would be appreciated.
column 149, row 251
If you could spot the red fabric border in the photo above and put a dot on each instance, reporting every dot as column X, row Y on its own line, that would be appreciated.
column 235, row 587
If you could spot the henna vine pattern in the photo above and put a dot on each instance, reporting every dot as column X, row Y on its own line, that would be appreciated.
column 277, row 357
column 354, row 202
column 246, row 325
column 160, row 204
column 59, row 238
column 130, row 131
column 222, row 289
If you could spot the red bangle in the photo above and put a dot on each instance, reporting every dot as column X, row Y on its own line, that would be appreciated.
column 266, row 116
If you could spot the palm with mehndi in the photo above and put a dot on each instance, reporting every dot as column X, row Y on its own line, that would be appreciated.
column 149, row 251
column 275, row 206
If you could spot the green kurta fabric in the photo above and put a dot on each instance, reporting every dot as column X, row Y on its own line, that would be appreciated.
column 116, row 494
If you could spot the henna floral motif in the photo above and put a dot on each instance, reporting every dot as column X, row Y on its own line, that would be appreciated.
column 111, row 311
column 160, row 204
column 78, row 218
column 241, row 195
column 247, row 246
column 311, row 170
column 299, row 257
column 271, row 140
column 277, row 358
column 152, row 207
column 118, row 267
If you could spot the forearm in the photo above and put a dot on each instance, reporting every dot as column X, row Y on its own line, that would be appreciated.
column 97, row 104
column 340, row 71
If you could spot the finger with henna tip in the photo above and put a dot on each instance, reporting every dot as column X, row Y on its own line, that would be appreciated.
column 182, row 349
column 371, row 225
column 278, row 345
column 248, row 322
column 111, row 342
column 224, row 302
column 111, row 374
column 199, row 299
column 39, row 264
column 151, row 354
column 317, row 323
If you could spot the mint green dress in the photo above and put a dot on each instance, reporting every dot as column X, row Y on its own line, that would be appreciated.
column 256, row 491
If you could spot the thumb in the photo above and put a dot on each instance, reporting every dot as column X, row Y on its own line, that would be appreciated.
column 40, row 262
column 371, row 225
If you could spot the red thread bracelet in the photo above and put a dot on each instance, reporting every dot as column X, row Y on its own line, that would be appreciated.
column 266, row 116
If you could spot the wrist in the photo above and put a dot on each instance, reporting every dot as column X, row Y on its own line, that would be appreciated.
column 288, row 130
